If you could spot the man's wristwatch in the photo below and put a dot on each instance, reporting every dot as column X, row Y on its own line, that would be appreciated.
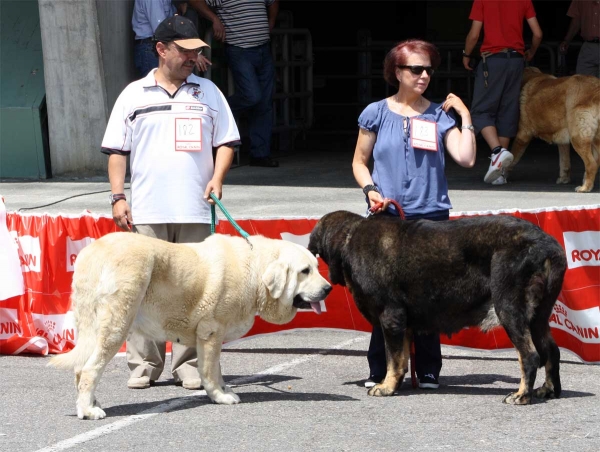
column 465, row 54
column 116, row 197
column 367, row 188
column 469, row 126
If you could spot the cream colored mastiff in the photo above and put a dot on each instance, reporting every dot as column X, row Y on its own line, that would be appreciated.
column 199, row 294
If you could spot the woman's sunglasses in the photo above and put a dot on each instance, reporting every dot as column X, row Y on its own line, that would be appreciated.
column 418, row 70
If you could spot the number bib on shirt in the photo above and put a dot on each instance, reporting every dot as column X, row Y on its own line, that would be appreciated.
column 423, row 134
column 188, row 134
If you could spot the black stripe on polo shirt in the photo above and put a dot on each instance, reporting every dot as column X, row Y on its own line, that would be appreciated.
column 144, row 111
column 110, row 151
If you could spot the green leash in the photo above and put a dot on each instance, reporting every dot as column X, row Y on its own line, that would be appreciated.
column 213, row 219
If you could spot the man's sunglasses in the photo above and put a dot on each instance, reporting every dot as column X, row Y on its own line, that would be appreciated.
column 418, row 70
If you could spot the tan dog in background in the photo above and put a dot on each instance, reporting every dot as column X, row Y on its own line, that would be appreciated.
column 561, row 111
column 196, row 294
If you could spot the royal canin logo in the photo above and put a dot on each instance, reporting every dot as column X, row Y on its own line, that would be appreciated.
column 582, row 248
column 581, row 323
column 9, row 323
column 50, row 325
column 29, row 252
column 559, row 309
column 57, row 329
column 74, row 247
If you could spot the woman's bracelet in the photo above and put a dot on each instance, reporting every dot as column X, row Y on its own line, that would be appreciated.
column 370, row 187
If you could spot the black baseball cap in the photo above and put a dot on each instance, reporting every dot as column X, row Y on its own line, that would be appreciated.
column 180, row 30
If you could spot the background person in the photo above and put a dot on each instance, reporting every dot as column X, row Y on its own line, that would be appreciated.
column 244, row 26
column 407, row 136
column 147, row 14
column 495, row 105
column 585, row 16
column 168, row 122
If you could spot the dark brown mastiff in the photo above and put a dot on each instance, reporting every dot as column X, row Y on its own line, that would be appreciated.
column 427, row 276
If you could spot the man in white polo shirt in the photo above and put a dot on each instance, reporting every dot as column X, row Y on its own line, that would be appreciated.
column 168, row 123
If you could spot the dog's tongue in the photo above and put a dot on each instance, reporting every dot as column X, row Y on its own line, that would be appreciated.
column 316, row 306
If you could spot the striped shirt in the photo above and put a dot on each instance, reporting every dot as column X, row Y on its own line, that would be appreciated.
column 246, row 21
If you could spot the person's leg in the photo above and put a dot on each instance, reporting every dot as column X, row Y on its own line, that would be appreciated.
column 428, row 350
column 588, row 60
column 253, row 74
column 490, row 135
column 484, row 105
column 242, row 64
column 260, row 121
column 507, row 121
column 184, row 362
column 376, row 356
column 145, row 357
column 498, row 79
column 428, row 359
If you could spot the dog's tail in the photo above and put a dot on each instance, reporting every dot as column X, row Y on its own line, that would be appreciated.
column 86, row 338
column 76, row 358
column 544, row 288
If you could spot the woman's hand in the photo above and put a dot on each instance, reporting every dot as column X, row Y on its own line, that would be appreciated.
column 376, row 198
column 453, row 101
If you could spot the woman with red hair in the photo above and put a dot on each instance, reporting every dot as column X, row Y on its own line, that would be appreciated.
column 407, row 137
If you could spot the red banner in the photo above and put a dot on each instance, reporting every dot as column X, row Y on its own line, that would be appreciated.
column 39, row 320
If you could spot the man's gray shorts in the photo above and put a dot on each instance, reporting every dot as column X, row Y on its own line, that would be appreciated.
column 498, row 104
column 588, row 61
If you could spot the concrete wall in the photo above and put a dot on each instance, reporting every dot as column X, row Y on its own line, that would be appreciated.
column 77, row 73
column 116, row 44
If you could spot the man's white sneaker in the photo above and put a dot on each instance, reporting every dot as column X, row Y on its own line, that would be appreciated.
column 500, row 181
column 498, row 162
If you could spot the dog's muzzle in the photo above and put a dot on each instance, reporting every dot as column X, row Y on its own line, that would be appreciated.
column 301, row 303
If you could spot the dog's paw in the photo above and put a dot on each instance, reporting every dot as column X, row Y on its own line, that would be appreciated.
column 227, row 399
column 517, row 399
column 583, row 189
column 94, row 413
column 544, row 392
column 380, row 391
column 563, row 180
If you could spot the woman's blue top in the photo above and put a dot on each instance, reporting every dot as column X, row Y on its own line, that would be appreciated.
column 411, row 176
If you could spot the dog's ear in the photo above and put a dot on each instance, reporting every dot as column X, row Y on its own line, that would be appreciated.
column 313, row 241
column 275, row 277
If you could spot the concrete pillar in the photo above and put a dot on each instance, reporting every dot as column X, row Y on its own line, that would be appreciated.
column 87, row 46
column 75, row 88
